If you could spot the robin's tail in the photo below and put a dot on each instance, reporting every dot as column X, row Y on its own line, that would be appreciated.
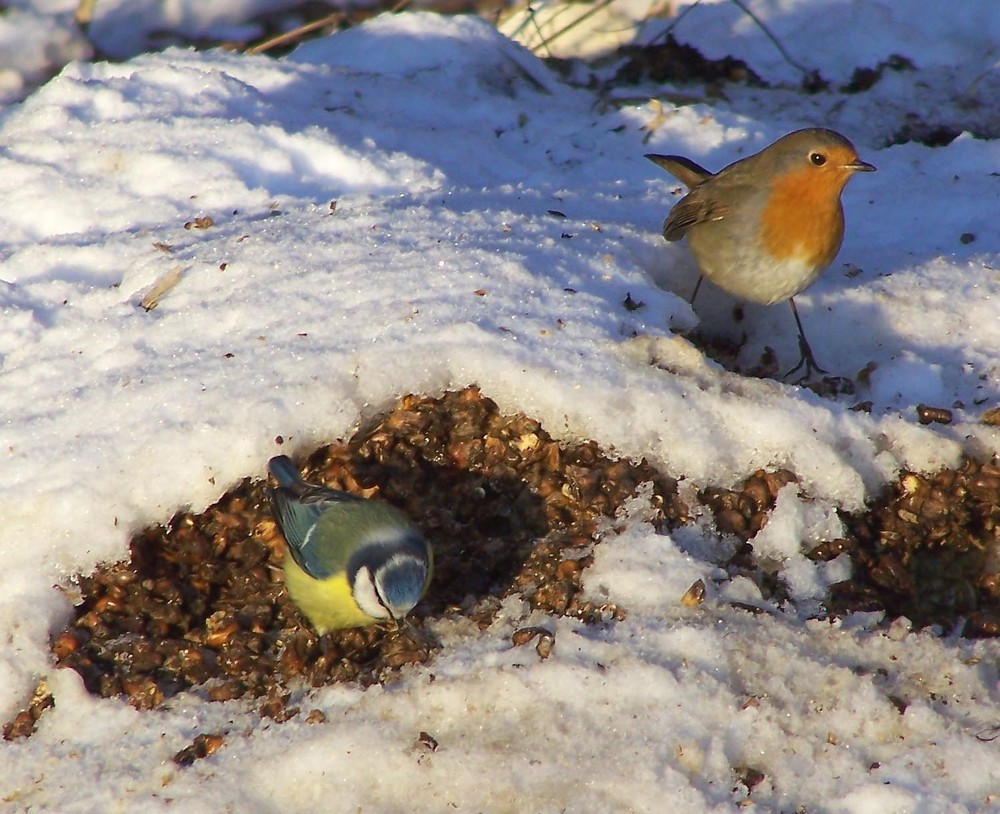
column 683, row 169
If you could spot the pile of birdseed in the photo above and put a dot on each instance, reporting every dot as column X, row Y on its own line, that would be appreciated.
column 201, row 602
column 201, row 606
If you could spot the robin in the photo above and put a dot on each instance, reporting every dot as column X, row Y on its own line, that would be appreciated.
column 765, row 227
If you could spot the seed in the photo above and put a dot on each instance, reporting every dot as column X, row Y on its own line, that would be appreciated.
column 933, row 415
column 758, row 492
column 426, row 742
column 934, row 508
column 64, row 644
column 218, row 638
column 730, row 521
column 201, row 747
column 694, row 595
column 984, row 485
column 568, row 569
column 21, row 726
column 523, row 635
column 991, row 417
column 545, row 644
column 226, row 691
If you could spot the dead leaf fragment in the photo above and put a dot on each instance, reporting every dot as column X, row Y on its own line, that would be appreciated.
column 162, row 285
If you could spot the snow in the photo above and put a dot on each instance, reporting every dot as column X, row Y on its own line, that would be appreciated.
column 446, row 149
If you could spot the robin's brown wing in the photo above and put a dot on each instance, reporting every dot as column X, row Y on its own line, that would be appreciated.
column 695, row 207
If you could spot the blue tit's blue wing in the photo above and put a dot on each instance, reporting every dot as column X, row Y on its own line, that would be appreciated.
column 299, row 514
column 298, row 507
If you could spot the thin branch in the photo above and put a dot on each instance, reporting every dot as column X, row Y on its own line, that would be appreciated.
column 594, row 9
column 741, row 5
column 781, row 49
column 541, row 37
column 669, row 29
column 295, row 34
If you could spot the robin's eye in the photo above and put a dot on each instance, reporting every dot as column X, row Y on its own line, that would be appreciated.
column 817, row 159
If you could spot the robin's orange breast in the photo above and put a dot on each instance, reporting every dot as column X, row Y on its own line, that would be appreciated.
column 803, row 219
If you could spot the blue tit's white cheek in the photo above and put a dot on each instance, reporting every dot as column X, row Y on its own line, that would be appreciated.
column 367, row 596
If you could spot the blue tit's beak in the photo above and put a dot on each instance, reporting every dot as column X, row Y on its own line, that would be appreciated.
column 404, row 625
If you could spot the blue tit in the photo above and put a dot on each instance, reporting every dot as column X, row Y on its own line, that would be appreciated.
column 353, row 561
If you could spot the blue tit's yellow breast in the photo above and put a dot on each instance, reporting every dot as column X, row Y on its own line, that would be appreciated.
column 327, row 603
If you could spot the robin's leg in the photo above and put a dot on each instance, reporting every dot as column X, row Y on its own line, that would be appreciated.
column 697, row 286
column 807, row 358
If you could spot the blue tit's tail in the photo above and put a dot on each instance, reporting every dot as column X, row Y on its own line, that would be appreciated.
column 285, row 472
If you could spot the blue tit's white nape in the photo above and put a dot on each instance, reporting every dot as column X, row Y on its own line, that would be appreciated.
column 353, row 561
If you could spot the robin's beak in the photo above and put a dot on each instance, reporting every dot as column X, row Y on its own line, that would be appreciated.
column 859, row 166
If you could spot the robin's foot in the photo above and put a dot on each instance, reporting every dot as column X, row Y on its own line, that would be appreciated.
column 807, row 361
